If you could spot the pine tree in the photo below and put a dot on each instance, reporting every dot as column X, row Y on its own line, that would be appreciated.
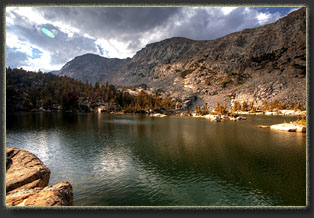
column 244, row 106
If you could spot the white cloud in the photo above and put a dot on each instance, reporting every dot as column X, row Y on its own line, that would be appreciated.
column 153, row 36
column 113, row 48
column 10, row 17
column 293, row 9
column 12, row 41
column 28, row 13
column 42, row 62
column 263, row 18
column 37, row 18
column 227, row 10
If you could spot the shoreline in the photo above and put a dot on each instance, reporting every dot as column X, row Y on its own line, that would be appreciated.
column 298, row 126
column 286, row 113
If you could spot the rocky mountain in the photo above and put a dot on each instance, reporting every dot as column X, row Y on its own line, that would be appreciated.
column 91, row 67
column 263, row 63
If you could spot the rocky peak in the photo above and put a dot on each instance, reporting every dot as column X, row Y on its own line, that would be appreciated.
column 90, row 67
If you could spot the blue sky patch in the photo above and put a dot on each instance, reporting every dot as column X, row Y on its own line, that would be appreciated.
column 36, row 53
column 282, row 10
column 100, row 50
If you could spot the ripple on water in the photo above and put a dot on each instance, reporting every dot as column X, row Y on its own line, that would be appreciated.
column 130, row 160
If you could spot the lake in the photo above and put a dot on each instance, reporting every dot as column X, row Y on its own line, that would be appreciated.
column 138, row 160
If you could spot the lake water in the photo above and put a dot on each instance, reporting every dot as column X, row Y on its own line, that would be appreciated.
column 137, row 160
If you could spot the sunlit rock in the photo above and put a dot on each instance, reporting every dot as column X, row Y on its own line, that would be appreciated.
column 27, row 178
column 290, row 127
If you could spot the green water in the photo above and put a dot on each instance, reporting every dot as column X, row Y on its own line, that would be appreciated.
column 131, row 160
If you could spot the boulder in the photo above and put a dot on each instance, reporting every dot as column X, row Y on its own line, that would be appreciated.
column 301, row 129
column 27, row 178
column 290, row 127
column 60, row 194
column 24, row 170
column 213, row 117
column 241, row 118
column 233, row 118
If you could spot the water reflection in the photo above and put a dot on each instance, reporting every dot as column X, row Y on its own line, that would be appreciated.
column 139, row 160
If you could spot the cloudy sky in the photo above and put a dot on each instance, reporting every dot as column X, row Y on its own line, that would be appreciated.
column 116, row 32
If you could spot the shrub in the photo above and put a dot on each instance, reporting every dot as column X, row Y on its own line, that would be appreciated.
column 221, row 109
column 236, row 106
column 244, row 106
column 185, row 73
column 202, row 67
column 225, row 82
column 208, row 81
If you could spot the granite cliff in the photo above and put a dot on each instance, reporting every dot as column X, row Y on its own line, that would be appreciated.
column 258, row 64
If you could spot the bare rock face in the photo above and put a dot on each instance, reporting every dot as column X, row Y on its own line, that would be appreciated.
column 26, row 182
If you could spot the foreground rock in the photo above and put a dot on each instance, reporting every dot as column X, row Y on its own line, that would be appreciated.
column 57, row 195
column 24, row 170
column 26, row 182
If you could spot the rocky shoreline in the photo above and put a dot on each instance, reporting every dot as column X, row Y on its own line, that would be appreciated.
column 276, row 113
column 27, row 180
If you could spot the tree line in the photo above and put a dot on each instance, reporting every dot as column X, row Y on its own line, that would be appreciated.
column 27, row 90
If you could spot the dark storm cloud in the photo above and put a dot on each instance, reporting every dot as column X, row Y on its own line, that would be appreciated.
column 125, row 24
column 213, row 23
column 130, row 24
column 109, row 22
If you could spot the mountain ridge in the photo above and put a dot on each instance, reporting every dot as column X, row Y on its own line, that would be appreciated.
column 271, row 57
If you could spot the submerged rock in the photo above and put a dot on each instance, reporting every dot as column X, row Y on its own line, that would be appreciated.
column 237, row 118
column 158, row 115
column 27, row 178
column 264, row 126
